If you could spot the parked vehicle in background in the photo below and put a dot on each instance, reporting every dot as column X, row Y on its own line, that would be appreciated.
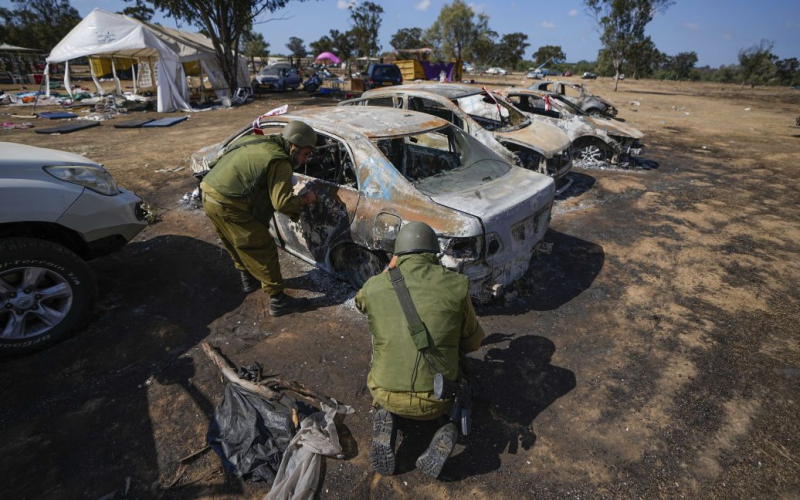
column 468, row 67
column 589, row 76
column 579, row 95
column 537, row 146
column 382, row 75
column 496, row 71
column 596, row 141
column 57, row 210
column 374, row 170
column 276, row 77
column 568, row 73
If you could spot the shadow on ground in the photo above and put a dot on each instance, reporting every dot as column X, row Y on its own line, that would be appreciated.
column 76, row 419
column 552, row 280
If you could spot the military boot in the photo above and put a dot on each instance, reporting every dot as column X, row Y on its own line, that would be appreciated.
column 432, row 461
column 249, row 282
column 281, row 304
column 383, row 438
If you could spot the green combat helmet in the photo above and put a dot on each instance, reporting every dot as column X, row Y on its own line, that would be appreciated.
column 416, row 237
column 300, row 134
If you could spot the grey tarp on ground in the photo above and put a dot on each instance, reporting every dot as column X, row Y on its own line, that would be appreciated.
column 298, row 476
column 250, row 434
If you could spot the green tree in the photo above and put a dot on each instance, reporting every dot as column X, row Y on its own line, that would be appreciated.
column 224, row 21
column 38, row 24
column 483, row 48
column 140, row 12
column 788, row 71
column 324, row 44
column 254, row 45
column 643, row 58
column 682, row 65
column 297, row 47
column 547, row 52
column 366, row 19
column 622, row 23
column 511, row 47
column 758, row 63
column 456, row 29
column 407, row 38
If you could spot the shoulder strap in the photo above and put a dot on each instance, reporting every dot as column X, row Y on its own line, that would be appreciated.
column 419, row 334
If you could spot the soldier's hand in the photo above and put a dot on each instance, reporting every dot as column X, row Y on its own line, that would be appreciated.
column 309, row 198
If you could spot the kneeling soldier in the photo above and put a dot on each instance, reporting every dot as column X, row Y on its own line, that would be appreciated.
column 422, row 320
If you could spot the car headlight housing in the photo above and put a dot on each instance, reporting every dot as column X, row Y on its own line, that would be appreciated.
column 462, row 248
column 94, row 178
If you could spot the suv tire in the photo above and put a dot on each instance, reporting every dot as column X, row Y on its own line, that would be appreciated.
column 66, row 290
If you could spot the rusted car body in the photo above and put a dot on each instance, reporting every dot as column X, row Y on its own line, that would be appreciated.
column 375, row 169
column 579, row 95
column 537, row 146
column 595, row 140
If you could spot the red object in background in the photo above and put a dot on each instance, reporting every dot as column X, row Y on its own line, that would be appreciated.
column 37, row 78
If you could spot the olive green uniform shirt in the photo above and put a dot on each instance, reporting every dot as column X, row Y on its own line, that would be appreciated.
column 400, row 379
column 256, row 174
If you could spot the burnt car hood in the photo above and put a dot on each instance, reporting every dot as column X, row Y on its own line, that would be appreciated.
column 543, row 137
column 614, row 127
column 517, row 193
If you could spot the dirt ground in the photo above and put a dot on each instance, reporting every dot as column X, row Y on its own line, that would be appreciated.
column 653, row 353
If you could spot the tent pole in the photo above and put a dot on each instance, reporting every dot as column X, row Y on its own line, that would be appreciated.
column 202, row 85
column 133, row 72
column 116, row 79
column 46, row 79
column 100, row 89
column 67, row 82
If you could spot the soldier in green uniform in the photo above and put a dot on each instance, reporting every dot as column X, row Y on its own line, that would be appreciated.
column 401, row 378
column 247, row 185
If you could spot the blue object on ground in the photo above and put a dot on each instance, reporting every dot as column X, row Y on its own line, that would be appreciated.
column 66, row 128
column 57, row 115
column 166, row 122
column 134, row 123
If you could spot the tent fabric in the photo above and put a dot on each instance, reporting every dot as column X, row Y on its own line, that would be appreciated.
column 105, row 34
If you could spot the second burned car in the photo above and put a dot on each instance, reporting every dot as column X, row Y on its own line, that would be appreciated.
column 491, row 119
column 375, row 169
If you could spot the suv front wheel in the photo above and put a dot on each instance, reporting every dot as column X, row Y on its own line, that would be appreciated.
column 46, row 291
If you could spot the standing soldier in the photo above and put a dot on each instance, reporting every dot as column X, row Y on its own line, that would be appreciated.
column 422, row 320
column 247, row 185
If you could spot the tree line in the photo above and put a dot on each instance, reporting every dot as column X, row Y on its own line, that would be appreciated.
column 458, row 32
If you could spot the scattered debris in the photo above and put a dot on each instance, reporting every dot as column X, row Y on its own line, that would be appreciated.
column 747, row 109
column 17, row 126
column 636, row 103
column 164, row 170
column 192, row 200
column 678, row 109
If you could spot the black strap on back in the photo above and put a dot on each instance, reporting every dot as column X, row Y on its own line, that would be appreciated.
column 419, row 334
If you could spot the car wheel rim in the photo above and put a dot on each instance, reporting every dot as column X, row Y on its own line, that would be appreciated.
column 591, row 155
column 33, row 301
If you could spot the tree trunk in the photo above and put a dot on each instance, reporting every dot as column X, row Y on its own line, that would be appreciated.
column 617, row 65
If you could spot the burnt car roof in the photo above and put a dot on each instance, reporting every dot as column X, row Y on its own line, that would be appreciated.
column 373, row 122
column 448, row 90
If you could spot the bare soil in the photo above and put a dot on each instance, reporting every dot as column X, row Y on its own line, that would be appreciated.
column 653, row 353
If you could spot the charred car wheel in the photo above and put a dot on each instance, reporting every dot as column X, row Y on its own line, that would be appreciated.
column 593, row 153
column 46, row 291
column 360, row 264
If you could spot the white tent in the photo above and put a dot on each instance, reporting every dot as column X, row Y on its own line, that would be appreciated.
column 160, row 51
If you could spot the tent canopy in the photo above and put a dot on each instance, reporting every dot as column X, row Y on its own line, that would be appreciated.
column 105, row 34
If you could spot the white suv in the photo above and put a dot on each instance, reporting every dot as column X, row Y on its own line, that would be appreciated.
column 57, row 210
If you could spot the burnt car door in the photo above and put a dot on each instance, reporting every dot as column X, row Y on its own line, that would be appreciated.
column 330, row 173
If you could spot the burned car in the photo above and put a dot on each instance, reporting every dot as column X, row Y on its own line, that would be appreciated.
column 595, row 140
column 491, row 119
column 375, row 169
column 579, row 95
